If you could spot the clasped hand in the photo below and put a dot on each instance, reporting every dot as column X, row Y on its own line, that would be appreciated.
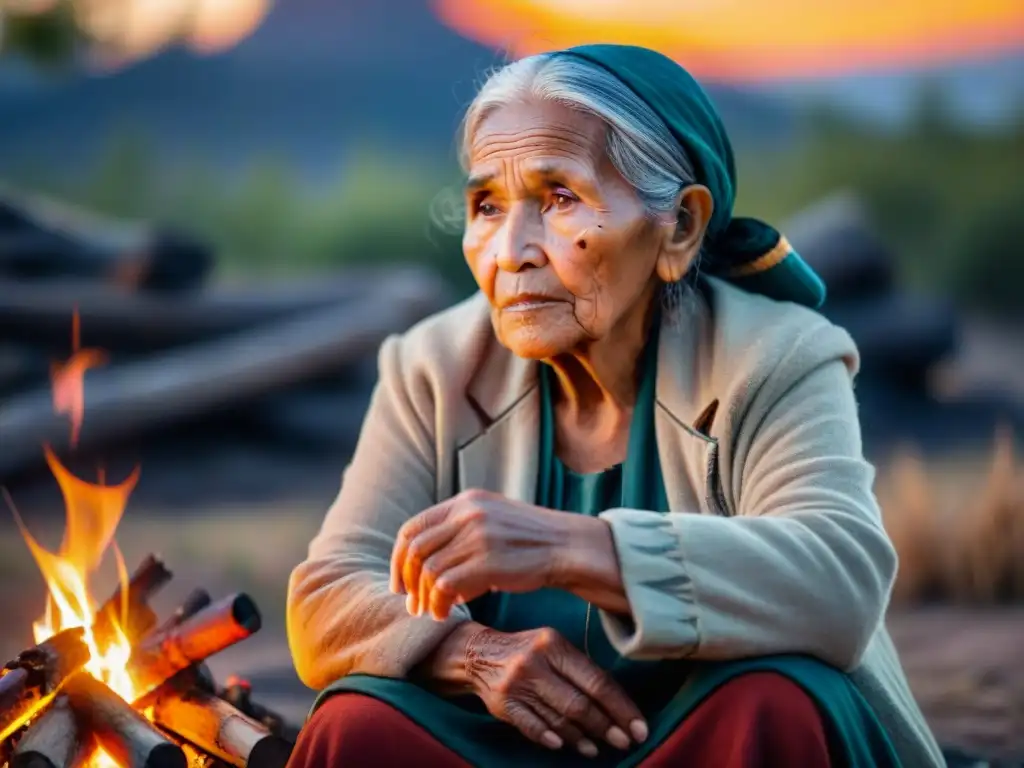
column 477, row 542
column 535, row 680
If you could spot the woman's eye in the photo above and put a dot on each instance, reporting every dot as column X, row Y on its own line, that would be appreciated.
column 562, row 198
column 486, row 209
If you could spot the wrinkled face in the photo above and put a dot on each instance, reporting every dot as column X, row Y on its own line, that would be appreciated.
column 557, row 240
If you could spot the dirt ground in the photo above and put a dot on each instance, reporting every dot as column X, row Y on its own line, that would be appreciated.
column 964, row 668
column 963, row 664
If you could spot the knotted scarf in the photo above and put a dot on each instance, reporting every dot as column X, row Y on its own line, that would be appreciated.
column 745, row 251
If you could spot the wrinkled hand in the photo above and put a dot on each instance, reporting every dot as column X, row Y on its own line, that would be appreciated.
column 473, row 543
column 540, row 683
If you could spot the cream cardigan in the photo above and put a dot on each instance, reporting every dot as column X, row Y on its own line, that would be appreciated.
column 774, row 543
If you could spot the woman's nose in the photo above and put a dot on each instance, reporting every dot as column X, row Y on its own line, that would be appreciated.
column 521, row 241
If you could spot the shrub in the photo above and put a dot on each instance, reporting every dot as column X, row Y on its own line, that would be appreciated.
column 958, row 540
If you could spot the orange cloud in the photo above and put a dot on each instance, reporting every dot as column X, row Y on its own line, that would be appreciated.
column 752, row 39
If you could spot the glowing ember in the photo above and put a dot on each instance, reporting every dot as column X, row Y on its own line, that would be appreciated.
column 93, row 512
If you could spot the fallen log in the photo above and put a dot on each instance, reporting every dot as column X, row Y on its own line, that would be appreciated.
column 42, row 238
column 132, row 604
column 315, row 418
column 123, row 733
column 30, row 681
column 180, row 384
column 219, row 729
column 120, row 322
column 893, row 417
column 161, row 656
column 835, row 237
column 22, row 366
column 54, row 740
column 900, row 336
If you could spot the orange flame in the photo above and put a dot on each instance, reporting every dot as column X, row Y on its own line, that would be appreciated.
column 93, row 513
column 69, row 379
column 751, row 40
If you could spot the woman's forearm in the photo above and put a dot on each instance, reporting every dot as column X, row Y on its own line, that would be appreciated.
column 444, row 670
column 589, row 567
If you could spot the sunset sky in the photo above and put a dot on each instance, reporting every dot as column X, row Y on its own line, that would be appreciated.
column 753, row 40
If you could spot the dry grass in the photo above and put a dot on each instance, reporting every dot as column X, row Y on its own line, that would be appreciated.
column 959, row 532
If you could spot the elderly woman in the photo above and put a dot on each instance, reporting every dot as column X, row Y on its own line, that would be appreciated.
column 613, row 509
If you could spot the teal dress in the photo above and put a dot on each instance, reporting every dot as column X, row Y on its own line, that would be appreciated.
column 666, row 691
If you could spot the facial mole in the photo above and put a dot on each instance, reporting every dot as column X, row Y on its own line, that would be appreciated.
column 581, row 244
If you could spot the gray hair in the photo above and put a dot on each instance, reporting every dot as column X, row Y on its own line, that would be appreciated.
column 639, row 143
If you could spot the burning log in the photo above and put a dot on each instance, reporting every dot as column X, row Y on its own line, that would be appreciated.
column 161, row 656
column 146, row 581
column 185, row 383
column 194, row 757
column 31, row 679
column 238, row 693
column 54, row 740
column 219, row 729
column 58, row 715
column 194, row 602
column 128, row 737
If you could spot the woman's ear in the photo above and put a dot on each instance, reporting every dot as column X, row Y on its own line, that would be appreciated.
column 681, row 241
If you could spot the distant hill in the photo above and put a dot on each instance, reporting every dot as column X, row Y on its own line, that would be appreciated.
column 321, row 76
column 315, row 79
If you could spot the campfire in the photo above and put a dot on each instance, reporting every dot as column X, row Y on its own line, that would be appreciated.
column 112, row 686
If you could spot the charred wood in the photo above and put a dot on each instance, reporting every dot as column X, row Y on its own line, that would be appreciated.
column 53, row 740
column 42, row 239
column 900, row 337
column 30, row 680
column 238, row 693
column 196, row 600
column 128, row 737
column 129, row 608
column 161, row 656
column 220, row 729
column 21, row 367
column 120, row 322
column 835, row 236
column 186, row 383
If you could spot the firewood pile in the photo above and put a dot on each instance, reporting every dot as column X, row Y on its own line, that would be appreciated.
column 293, row 361
column 55, row 714
column 902, row 336
column 905, row 338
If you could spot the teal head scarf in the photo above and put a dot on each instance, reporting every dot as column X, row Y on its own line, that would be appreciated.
column 744, row 251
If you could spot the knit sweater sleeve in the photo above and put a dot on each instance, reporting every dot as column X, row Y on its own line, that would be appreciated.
column 342, row 617
column 802, row 564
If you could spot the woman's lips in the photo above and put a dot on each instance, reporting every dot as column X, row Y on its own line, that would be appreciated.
column 529, row 303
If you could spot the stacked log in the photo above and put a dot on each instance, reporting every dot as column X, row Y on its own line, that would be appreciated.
column 54, row 714
column 43, row 239
column 295, row 361
column 901, row 336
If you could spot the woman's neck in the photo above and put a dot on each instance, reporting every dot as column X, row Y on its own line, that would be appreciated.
column 599, row 382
